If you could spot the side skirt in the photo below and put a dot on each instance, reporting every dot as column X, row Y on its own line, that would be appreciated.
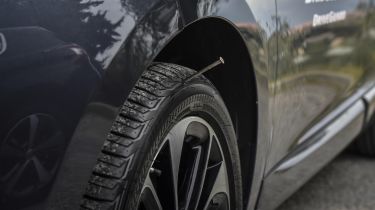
column 313, row 154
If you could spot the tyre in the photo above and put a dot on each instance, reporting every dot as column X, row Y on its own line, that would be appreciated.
column 365, row 144
column 172, row 146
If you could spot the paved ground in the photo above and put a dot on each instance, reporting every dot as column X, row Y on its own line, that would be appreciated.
column 348, row 183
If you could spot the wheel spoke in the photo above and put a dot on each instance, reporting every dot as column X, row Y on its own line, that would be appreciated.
column 199, row 182
column 34, row 122
column 176, row 140
column 43, row 173
column 220, row 184
column 150, row 198
column 17, row 175
column 195, row 179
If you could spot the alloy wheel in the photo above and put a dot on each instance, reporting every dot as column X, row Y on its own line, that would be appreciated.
column 30, row 155
column 189, row 170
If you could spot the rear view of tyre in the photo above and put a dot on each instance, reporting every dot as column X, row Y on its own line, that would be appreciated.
column 172, row 147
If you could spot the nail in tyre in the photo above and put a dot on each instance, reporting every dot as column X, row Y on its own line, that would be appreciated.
column 171, row 147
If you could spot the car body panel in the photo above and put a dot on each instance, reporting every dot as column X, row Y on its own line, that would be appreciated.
column 63, row 191
column 320, row 66
column 254, row 20
column 324, row 68
column 100, row 30
column 119, row 39
column 78, row 61
column 319, row 149
column 369, row 99
column 312, row 92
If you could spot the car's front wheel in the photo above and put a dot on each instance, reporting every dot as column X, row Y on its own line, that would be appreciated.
column 172, row 147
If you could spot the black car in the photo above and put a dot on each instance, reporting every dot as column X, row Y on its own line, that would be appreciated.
column 176, row 104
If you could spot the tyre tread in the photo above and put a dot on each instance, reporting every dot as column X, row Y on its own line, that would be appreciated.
column 110, row 174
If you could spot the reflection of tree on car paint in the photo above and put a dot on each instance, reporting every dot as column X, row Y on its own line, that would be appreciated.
column 38, row 69
column 79, row 16
column 281, row 79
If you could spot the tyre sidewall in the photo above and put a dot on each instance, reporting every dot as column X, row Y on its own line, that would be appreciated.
column 196, row 98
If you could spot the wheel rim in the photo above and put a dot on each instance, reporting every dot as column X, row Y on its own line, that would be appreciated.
column 189, row 170
column 30, row 154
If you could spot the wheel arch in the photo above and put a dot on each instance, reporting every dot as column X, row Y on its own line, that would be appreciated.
column 201, row 43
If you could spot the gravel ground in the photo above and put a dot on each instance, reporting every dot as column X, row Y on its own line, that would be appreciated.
column 348, row 183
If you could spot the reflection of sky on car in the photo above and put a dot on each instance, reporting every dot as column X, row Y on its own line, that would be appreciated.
column 264, row 14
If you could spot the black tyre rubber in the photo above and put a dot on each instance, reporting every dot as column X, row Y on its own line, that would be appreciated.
column 159, row 100
column 365, row 143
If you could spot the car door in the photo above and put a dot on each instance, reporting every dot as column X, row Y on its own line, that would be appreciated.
column 323, row 61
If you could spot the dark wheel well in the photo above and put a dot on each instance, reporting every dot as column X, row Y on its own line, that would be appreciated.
column 200, row 44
